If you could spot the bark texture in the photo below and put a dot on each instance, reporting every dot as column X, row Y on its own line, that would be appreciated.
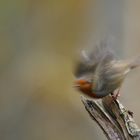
column 116, row 122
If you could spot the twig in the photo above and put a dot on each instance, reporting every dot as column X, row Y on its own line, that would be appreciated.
column 116, row 122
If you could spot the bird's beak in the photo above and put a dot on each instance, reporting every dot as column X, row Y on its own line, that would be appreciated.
column 76, row 85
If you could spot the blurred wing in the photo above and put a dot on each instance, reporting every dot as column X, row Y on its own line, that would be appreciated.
column 110, row 75
column 86, row 64
column 89, row 61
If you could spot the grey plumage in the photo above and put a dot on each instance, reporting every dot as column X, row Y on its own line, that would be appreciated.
column 106, row 72
column 89, row 60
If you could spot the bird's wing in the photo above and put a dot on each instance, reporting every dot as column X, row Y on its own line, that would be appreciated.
column 111, row 75
column 86, row 64
column 89, row 60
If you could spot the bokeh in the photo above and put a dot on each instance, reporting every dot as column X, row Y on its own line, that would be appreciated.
column 39, row 43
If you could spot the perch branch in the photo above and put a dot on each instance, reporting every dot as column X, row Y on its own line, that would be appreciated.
column 116, row 122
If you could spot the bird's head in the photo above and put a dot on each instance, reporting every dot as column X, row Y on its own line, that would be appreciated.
column 83, row 85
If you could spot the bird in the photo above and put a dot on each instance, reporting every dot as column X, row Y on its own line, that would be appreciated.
column 99, row 72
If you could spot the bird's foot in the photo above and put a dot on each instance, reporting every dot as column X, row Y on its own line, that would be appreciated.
column 115, row 95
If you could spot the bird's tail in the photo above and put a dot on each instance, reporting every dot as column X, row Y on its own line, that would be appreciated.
column 135, row 63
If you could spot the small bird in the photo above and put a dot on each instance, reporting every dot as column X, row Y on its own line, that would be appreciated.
column 99, row 72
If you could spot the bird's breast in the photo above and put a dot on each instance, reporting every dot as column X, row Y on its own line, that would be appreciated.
column 90, row 94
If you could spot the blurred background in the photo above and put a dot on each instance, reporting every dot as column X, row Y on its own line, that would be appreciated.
column 39, row 41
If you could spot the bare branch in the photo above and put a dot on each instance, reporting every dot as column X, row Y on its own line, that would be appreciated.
column 116, row 122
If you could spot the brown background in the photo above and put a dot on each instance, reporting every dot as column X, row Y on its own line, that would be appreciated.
column 39, row 41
